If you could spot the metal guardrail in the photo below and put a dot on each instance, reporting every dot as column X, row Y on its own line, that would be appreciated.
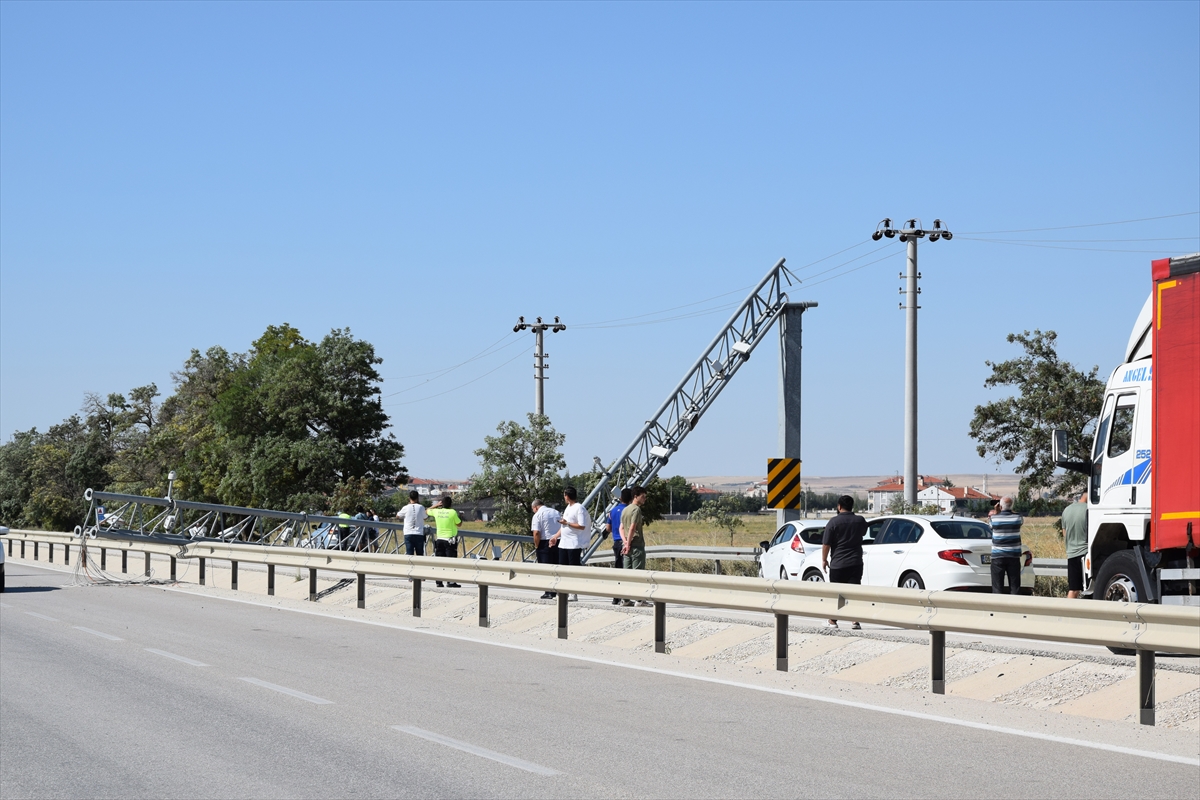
column 1142, row 627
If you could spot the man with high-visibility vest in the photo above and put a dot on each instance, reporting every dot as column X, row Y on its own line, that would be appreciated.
column 445, row 543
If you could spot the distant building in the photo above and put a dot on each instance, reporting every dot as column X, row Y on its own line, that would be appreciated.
column 756, row 489
column 881, row 496
column 432, row 488
column 952, row 499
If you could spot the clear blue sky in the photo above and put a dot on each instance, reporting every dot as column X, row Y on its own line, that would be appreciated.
column 175, row 176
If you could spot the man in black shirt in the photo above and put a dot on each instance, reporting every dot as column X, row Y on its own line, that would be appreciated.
column 842, row 547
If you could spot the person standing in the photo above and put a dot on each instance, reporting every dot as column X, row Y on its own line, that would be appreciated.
column 613, row 529
column 544, row 527
column 1006, row 548
column 575, row 532
column 842, row 547
column 413, row 516
column 1075, row 536
column 633, row 547
column 445, row 542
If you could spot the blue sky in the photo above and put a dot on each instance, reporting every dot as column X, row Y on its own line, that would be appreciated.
column 175, row 176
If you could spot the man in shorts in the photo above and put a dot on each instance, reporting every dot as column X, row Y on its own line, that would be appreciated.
column 1075, row 536
column 842, row 547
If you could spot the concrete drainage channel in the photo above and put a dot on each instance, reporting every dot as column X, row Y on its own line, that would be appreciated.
column 1088, row 684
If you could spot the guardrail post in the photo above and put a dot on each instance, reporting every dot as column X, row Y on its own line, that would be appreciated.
column 312, row 585
column 270, row 580
column 362, row 590
column 562, row 615
column 233, row 575
column 103, row 556
column 35, row 551
column 660, row 627
column 937, row 662
column 483, row 606
column 718, row 563
column 22, row 548
column 201, row 570
column 10, row 541
column 67, row 554
column 52, row 552
column 172, row 568
column 781, row 642
column 124, row 561
column 1145, row 670
column 416, row 582
column 148, row 566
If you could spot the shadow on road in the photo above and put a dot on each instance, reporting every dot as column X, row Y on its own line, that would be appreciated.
column 28, row 589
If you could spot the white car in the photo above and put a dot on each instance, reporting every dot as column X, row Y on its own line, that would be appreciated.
column 925, row 552
column 784, row 555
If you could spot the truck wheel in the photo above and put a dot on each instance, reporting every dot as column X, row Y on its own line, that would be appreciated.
column 1120, row 580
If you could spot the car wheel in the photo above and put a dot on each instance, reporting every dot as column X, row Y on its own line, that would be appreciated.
column 911, row 580
column 783, row 576
column 814, row 576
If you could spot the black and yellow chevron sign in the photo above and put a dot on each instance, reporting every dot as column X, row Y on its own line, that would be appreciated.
column 783, row 483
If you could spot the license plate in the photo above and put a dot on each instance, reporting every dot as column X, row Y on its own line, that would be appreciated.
column 986, row 558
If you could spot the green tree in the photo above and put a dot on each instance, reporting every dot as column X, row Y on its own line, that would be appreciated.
column 302, row 419
column 721, row 513
column 1049, row 393
column 519, row 465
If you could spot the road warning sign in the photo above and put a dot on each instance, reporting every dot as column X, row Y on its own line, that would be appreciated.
column 783, row 483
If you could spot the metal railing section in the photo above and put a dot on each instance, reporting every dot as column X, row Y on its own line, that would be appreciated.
column 1143, row 627
column 115, row 515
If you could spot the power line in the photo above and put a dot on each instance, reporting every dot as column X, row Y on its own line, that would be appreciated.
column 461, row 385
column 1090, row 225
column 1150, row 239
column 1059, row 247
column 441, row 373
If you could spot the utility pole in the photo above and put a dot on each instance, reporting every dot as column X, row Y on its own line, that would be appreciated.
column 911, row 233
column 790, row 348
column 539, row 357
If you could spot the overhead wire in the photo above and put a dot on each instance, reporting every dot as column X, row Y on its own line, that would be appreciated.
column 1060, row 247
column 1073, row 227
column 490, row 351
column 461, row 385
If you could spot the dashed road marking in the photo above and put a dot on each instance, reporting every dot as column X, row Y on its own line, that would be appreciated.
column 284, row 690
column 108, row 636
column 476, row 750
column 184, row 659
column 41, row 616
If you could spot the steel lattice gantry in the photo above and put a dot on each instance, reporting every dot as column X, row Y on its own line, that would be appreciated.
column 678, row 415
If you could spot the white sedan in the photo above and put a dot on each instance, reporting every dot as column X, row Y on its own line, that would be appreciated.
column 784, row 555
column 925, row 552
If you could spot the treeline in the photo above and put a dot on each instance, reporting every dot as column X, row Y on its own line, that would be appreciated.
column 290, row 424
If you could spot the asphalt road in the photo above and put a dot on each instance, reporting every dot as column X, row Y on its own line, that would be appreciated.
column 103, row 694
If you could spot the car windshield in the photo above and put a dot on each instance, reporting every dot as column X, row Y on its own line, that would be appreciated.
column 955, row 529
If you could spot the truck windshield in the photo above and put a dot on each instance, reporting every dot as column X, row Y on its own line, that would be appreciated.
column 962, row 530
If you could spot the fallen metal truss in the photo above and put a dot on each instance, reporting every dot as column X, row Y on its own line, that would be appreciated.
column 113, row 515
column 678, row 415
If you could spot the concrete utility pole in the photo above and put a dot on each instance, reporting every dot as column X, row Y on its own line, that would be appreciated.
column 539, row 357
column 911, row 233
column 790, row 347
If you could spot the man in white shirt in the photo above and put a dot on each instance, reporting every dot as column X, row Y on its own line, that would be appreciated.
column 545, row 527
column 575, row 533
column 413, row 515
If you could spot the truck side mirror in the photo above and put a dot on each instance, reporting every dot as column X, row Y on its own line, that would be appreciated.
column 1059, row 447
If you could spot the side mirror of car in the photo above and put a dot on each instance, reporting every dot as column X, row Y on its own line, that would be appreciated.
column 765, row 545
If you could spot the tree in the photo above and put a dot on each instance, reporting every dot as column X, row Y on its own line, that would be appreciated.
column 519, row 465
column 1050, row 393
column 303, row 419
column 720, row 514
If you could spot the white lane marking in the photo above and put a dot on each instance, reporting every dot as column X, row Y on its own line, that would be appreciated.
column 1049, row 737
column 284, row 690
column 482, row 752
column 184, row 659
column 5, row 605
column 108, row 636
column 41, row 616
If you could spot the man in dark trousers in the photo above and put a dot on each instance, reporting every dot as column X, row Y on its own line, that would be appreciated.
column 842, row 547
